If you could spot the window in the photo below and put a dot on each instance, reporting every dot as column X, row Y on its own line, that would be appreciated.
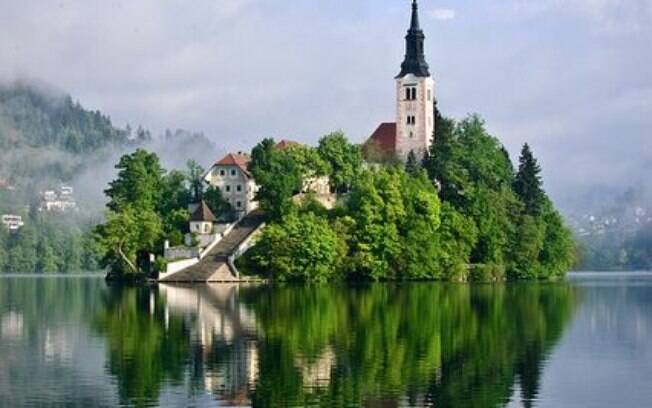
column 411, row 120
column 411, row 135
column 239, row 188
column 410, row 93
column 238, row 204
column 228, row 189
column 206, row 228
column 222, row 173
column 429, row 94
column 233, row 172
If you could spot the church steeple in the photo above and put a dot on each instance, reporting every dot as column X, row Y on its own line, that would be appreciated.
column 415, row 60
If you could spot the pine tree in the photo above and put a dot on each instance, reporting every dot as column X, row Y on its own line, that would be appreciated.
column 412, row 165
column 528, row 184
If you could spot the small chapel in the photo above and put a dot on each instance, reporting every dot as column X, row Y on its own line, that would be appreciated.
column 413, row 130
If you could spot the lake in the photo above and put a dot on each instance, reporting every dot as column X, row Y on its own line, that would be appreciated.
column 74, row 341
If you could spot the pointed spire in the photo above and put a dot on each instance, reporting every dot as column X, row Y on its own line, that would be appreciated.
column 414, row 24
column 415, row 60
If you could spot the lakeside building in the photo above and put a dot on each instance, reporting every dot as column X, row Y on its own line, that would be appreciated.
column 413, row 129
column 232, row 177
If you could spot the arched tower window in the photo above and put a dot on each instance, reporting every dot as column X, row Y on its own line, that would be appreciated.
column 414, row 94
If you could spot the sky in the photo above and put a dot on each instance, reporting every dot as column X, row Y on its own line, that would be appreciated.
column 571, row 77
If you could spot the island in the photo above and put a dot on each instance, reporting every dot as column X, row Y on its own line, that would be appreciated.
column 426, row 197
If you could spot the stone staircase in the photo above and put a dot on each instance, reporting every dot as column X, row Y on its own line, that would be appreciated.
column 214, row 267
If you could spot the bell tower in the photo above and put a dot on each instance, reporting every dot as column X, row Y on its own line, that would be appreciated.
column 415, row 95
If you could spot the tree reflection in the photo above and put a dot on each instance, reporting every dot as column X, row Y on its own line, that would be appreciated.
column 421, row 344
column 145, row 348
column 378, row 345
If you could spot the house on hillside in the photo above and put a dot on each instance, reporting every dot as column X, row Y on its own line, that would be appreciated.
column 59, row 201
column 231, row 176
column 12, row 222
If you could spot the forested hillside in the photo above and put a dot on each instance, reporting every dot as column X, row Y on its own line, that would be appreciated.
column 47, row 140
column 618, row 234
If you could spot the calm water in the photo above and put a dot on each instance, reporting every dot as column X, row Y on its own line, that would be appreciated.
column 76, row 342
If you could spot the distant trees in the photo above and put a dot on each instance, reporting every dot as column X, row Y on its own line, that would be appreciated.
column 46, row 118
column 47, row 245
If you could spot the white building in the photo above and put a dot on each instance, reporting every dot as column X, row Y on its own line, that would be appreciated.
column 201, row 220
column 12, row 222
column 413, row 130
column 61, row 201
column 231, row 176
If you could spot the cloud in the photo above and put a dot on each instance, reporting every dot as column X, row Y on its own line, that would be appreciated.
column 442, row 14
column 569, row 76
column 616, row 16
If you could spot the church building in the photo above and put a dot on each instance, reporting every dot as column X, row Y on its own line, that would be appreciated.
column 415, row 99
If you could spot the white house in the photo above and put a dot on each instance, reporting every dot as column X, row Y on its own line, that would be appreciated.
column 12, row 222
column 201, row 220
column 62, row 201
column 238, row 187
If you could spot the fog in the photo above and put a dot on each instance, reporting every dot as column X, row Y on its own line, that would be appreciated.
column 571, row 77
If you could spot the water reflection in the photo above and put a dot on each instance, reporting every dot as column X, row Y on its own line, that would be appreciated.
column 380, row 345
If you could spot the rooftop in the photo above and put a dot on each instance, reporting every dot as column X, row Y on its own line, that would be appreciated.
column 203, row 214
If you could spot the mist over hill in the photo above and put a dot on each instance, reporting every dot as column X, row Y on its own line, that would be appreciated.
column 48, row 139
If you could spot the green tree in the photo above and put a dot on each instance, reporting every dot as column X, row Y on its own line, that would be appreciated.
column 196, row 180
column 4, row 241
column 279, row 176
column 375, row 206
column 344, row 159
column 301, row 248
column 124, row 235
column 528, row 184
column 47, row 261
column 558, row 254
column 139, row 182
column 419, row 228
column 526, row 248
column 412, row 164
column 216, row 201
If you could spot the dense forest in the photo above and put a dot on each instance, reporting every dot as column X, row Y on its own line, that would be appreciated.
column 47, row 140
column 464, row 213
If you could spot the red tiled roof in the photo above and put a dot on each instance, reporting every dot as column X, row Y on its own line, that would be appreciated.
column 383, row 139
column 236, row 159
column 285, row 144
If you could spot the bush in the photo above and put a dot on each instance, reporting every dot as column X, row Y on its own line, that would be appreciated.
column 487, row 273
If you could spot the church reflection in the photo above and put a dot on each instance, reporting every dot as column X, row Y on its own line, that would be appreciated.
column 379, row 345
column 222, row 333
